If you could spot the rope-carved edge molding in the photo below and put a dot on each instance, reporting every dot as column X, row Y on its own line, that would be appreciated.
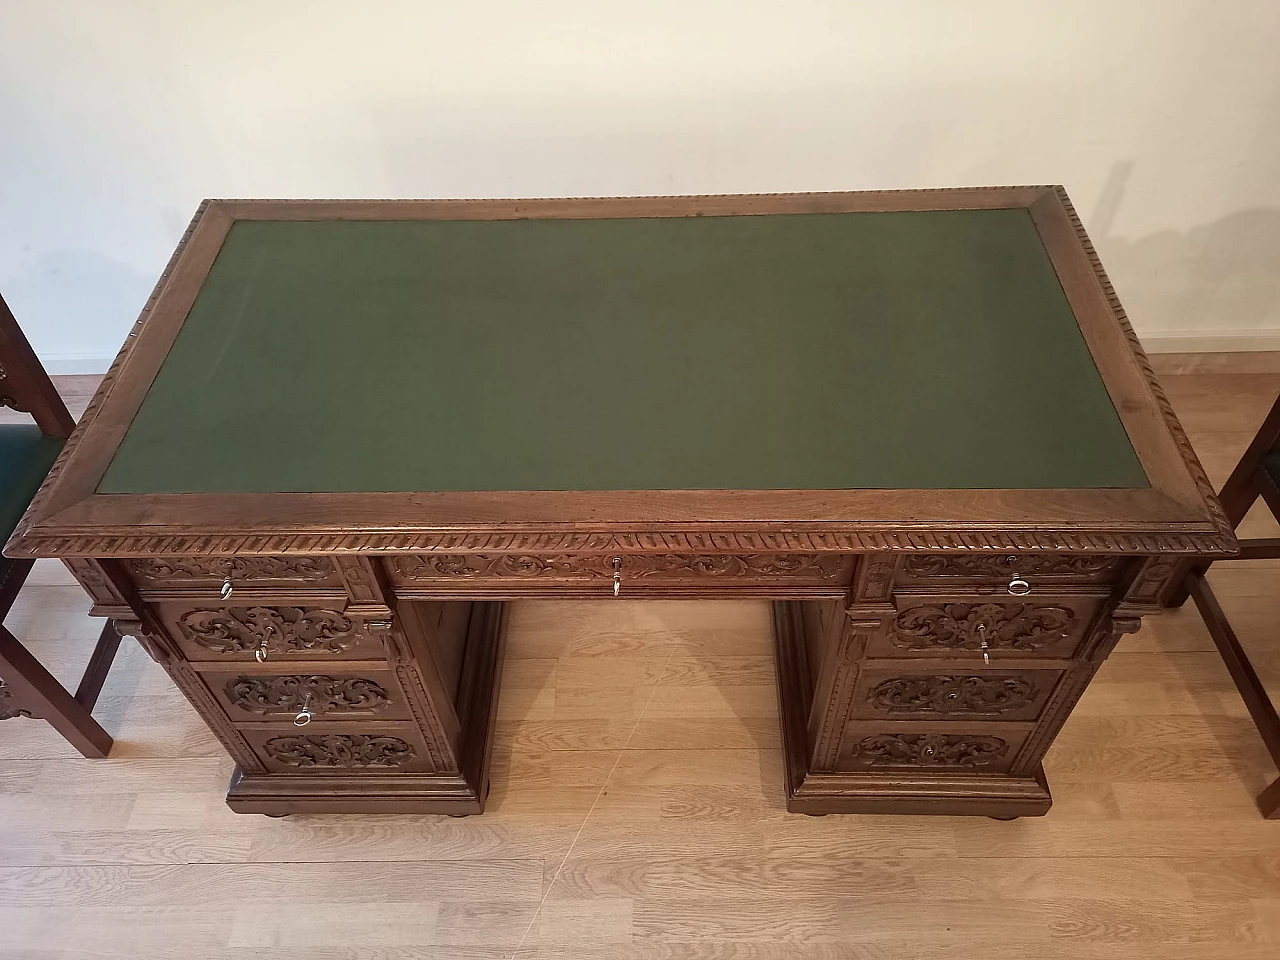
column 632, row 541
column 1219, row 541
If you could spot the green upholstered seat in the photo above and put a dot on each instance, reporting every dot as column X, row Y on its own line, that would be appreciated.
column 25, row 458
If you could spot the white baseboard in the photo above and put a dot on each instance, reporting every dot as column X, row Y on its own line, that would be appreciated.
column 1261, row 341
column 74, row 364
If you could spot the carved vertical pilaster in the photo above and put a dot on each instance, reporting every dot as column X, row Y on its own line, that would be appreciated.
column 93, row 577
column 873, row 581
column 833, row 699
column 363, row 579
column 443, row 759
column 1155, row 578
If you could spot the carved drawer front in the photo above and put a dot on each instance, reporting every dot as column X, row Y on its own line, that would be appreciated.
column 957, row 691
column 1014, row 574
column 347, row 693
column 964, row 626
column 210, row 574
column 818, row 574
column 930, row 747
column 271, row 634
column 324, row 747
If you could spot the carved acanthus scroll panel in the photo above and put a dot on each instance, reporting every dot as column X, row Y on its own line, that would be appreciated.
column 931, row 747
column 928, row 625
column 271, row 634
column 248, row 694
column 339, row 747
column 952, row 692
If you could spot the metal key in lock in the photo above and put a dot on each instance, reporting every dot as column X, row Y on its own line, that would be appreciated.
column 617, row 575
column 982, row 640
column 304, row 715
column 260, row 654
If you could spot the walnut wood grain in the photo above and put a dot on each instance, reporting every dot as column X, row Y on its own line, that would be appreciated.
column 1177, row 514
column 888, row 575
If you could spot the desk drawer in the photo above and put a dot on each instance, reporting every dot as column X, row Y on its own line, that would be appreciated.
column 818, row 574
column 930, row 747
column 280, row 632
column 348, row 692
column 948, row 691
column 338, row 748
column 955, row 625
column 998, row 571
column 158, row 575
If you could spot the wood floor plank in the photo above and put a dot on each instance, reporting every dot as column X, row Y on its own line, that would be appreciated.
column 637, row 808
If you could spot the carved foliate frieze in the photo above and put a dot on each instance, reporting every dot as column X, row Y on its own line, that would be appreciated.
column 578, row 566
column 319, row 694
column 272, row 629
column 1022, row 627
column 929, row 750
column 953, row 695
column 301, row 569
column 339, row 751
column 512, row 566
column 1005, row 566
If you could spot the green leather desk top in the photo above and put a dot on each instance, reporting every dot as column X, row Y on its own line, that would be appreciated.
column 809, row 351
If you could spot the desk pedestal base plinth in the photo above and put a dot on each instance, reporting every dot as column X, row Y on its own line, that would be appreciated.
column 891, row 791
column 457, row 794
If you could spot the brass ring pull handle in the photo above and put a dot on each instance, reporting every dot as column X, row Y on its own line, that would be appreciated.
column 1018, row 586
column 617, row 575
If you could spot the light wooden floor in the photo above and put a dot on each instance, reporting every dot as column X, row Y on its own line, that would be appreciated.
column 637, row 809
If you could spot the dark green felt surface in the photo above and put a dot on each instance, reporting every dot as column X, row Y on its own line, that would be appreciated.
column 825, row 351
column 25, row 458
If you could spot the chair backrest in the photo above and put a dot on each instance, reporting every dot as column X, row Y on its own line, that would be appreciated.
column 24, row 385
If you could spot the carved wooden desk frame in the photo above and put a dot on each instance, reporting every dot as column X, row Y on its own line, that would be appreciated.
column 346, row 647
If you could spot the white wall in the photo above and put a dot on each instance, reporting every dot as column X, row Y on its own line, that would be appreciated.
column 118, row 116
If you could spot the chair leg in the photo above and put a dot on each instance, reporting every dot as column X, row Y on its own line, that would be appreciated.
column 95, row 674
column 1269, row 801
column 38, row 694
column 1252, row 692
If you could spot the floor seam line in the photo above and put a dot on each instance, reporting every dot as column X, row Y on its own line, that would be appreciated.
column 600, row 793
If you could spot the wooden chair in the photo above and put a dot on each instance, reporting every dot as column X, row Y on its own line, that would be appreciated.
column 1256, row 475
column 27, row 451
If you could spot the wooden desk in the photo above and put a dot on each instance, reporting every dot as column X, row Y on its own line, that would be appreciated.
column 342, row 434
